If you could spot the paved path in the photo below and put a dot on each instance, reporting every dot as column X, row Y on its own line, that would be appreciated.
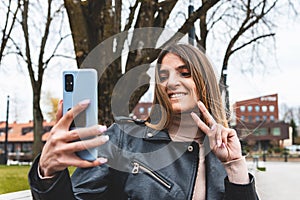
column 280, row 181
column 21, row 195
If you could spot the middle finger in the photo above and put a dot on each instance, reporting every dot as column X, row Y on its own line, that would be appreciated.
column 207, row 116
column 81, row 133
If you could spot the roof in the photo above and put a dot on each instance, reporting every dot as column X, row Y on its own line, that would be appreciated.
column 23, row 132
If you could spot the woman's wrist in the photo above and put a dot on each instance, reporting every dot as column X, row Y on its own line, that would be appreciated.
column 237, row 171
column 41, row 174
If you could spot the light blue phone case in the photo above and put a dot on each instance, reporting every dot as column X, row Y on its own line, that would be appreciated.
column 83, row 86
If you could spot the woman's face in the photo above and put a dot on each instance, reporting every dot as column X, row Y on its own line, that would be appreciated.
column 180, row 87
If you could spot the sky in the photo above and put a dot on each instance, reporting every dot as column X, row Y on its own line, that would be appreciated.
column 283, row 79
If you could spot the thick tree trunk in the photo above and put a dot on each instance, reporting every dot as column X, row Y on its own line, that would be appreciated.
column 92, row 22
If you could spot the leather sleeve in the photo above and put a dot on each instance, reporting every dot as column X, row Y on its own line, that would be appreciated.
column 58, row 187
column 238, row 192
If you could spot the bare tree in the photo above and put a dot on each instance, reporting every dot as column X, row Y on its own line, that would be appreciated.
column 12, row 9
column 92, row 22
column 37, row 56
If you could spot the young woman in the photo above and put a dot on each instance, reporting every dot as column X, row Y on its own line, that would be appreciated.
column 185, row 149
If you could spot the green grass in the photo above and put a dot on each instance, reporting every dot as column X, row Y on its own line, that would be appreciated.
column 14, row 178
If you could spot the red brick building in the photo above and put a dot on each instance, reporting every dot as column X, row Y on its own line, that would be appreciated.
column 258, row 109
column 20, row 138
column 257, row 122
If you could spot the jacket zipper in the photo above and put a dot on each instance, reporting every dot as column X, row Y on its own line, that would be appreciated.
column 137, row 166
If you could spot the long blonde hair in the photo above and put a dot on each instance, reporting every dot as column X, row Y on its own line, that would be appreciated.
column 205, row 80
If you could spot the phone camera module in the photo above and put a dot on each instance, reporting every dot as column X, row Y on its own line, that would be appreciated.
column 69, row 82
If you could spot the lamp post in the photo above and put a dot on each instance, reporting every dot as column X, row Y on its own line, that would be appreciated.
column 6, row 132
column 191, row 33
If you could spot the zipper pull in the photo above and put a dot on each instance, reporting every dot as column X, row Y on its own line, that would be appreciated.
column 135, row 169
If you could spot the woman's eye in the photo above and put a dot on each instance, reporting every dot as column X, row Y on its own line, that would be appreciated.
column 163, row 78
column 185, row 74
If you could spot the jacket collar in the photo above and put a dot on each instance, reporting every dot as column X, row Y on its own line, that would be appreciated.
column 151, row 134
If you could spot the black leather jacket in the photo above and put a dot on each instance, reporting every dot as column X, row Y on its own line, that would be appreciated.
column 143, row 164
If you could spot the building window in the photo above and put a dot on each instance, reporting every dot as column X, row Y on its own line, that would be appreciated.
column 243, row 118
column 149, row 110
column 250, row 108
column 141, row 109
column 261, row 131
column 257, row 108
column 276, row 131
column 272, row 118
column 264, row 108
column 257, row 118
column 249, row 118
column 271, row 108
column 242, row 108
column 265, row 118
column 26, row 147
column 245, row 132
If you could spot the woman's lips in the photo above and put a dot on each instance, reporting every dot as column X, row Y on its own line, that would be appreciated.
column 176, row 95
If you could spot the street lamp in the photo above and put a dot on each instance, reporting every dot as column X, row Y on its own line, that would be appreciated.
column 6, row 132
column 191, row 33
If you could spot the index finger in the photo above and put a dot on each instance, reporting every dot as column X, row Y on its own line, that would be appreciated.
column 67, row 119
column 207, row 116
column 59, row 111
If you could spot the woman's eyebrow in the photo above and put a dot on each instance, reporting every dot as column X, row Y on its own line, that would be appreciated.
column 182, row 67
column 162, row 71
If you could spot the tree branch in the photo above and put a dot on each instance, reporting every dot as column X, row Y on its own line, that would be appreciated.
column 251, row 41
column 5, row 35
column 190, row 21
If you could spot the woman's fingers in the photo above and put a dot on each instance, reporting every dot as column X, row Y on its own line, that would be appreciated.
column 86, row 144
column 59, row 112
column 218, row 134
column 77, row 162
column 67, row 119
column 207, row 116
column 200, row 123
column 82, row 133
column 211, row 133
column 215, row 132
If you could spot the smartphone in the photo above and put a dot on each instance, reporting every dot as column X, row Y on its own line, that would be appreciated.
column 79, row 85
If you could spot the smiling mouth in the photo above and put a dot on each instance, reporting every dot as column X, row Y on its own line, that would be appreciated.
column 176, row 95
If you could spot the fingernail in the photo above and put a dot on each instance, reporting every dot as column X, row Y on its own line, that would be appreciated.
column 102, row 160
column 102, row 128
column 213, row 127
column 85, row 102
column 105, row 138
column 219, row 143
column 223, row 145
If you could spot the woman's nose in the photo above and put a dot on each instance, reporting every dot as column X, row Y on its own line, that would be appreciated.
column 173, row 81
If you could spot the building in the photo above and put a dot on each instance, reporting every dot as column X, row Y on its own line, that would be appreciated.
column 257, row 122
column 259, row 109
column 20, row 139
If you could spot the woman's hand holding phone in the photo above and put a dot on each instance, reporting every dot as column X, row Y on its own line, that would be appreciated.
column 62, row 144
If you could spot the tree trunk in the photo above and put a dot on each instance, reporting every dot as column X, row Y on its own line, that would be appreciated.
column 38, row 128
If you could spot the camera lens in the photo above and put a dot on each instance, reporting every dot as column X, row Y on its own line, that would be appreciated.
column 69, row 82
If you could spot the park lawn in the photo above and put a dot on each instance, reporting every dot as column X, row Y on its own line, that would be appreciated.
column 14, row 178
